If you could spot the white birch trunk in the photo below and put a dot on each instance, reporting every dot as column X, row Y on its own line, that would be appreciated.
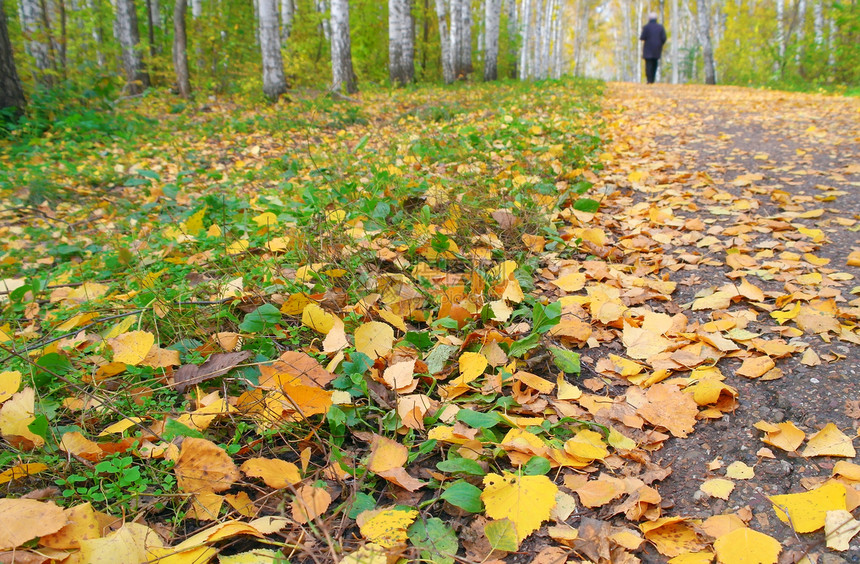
column 343, row 77
column 637, row 62
column 465, row 38
column 831, row 41
column 818, row 21
column 322, row 8
column 780, row 33
column 155, row 10
column 37, row 46
column 288, row 14
column 676, row 41
column 705, row 39
column 180, row 49
column 492, row 19
column 401, row 44
column 129, row 38
column 274, row 82
column 801, row 29
column 196, row 8
column 444, row 17
column 525, row 38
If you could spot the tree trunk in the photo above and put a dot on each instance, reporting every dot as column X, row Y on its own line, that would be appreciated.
column 492, row 18
column 801, row 32
column 676, row 41
column 705, row 38
column 274, row 82
column 464, row 38
column 445, row 17
column 129, row 37
column 780, row 35
column 150, row 28
column 97, row 34
column 513, row 36
column 288, row 14
column 11, row 93
column 196, row 8
column 818, row 21
column 525, row 38
column 342, row 75
column 401, row 42
column 180, row 49
column 37, row 46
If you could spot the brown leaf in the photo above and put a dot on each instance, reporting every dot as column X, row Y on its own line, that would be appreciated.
column 25, row 519
column 203, row 466
column 217, row 365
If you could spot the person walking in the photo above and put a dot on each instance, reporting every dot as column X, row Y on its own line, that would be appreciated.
column 653, row 38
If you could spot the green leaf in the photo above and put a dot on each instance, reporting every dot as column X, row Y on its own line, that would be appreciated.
column 437, row 358
column 546, row 317
column 436, row 541
column 173, row 429
column 586, row 205
column 420, row 340
column 519, row 348
column 502, row 535
column 477, row 419
column 260, row 319
column 361, row 502
column 465, row 496
column 39, row 426
column 565, row 360
column 462, row 465
column 536, row 466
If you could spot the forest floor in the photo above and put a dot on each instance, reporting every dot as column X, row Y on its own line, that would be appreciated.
column 521, row 323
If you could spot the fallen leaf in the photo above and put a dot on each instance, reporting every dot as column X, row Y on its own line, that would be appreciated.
column 132, row 347
column 310, row 502
column 839, row 528
column 386, row 527
column 275, row 473
column 745, row 545
column 806, row 511
column 374, row 339
column 829, row 441
column 25, row 519
column 667, row 406
column 526, row 500
column 203, row 466
column 718, row 487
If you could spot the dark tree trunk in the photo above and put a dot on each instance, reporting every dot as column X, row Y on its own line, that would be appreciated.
column 150, row 29
column 180, row 49
column 11, row 93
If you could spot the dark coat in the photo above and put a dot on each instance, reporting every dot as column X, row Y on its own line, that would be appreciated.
column 654, row 36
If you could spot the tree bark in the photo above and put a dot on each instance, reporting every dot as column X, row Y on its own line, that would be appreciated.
column 180, row 49
column 780, row 35
column 443, row 13
column 401, row 42
column 32, row 22
column 818, row 21
column 705, row 38
column 464, row 38
column 288, row 14
column 274, row 82
column 11, row 93
column 676, row 41
column 343, row 76
column 492, row 19
column 513, row 35
column 129, row 38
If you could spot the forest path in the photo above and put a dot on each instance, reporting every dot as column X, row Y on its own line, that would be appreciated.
column 740, row 159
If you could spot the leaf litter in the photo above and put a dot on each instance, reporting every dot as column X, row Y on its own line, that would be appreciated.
column 461, row 384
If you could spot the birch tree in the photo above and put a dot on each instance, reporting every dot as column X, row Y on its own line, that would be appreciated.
column 780, row 35
column 33, row 19
column 446, row 26
column 675, row 43
column 705, row 39
column 288, row 14
column 401, row 42
column 492, row 19
column 343, row 77
column 513, row 35
column 11, row 93
column 463, row 38
column 180, row 49
column 125, row 27
column 274, row 82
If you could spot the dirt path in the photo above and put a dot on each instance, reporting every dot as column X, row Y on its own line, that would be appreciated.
column 741, row 161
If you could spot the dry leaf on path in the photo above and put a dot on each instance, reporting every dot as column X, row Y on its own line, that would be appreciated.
column 671, row 408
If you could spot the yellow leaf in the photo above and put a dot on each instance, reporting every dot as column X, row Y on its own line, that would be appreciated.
column 21, row 471
column 132, row 347
column 255, row 556
column 237, row 247
column 278, row 244
column 756, row 366
column 16, row 415
column 570, row 282
column 806, row 511
column 130, row 543
column 10, row 381
column 194, row 224
column 847, row 470
column 703, row 557
column 317, row 318
column 204, row 466
column 400, row 375
column 739, row 471
column 587, row 445
column 25, row 519
column 642, row 344
column 783, row 435
column 265, row 219
column 310, row 503
column 275, row 473
column 719, row 525
column 120, row 426
column 672, row 536
column 387, row 527
column 386, row 454
column 671, row 408
column 829, row 441
column 374, row 339
column 526, row 500
column 597, row 493
column 371, row 553
column 718, row 487
column 854, row 258
column 746, row 546
column 839, row 528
